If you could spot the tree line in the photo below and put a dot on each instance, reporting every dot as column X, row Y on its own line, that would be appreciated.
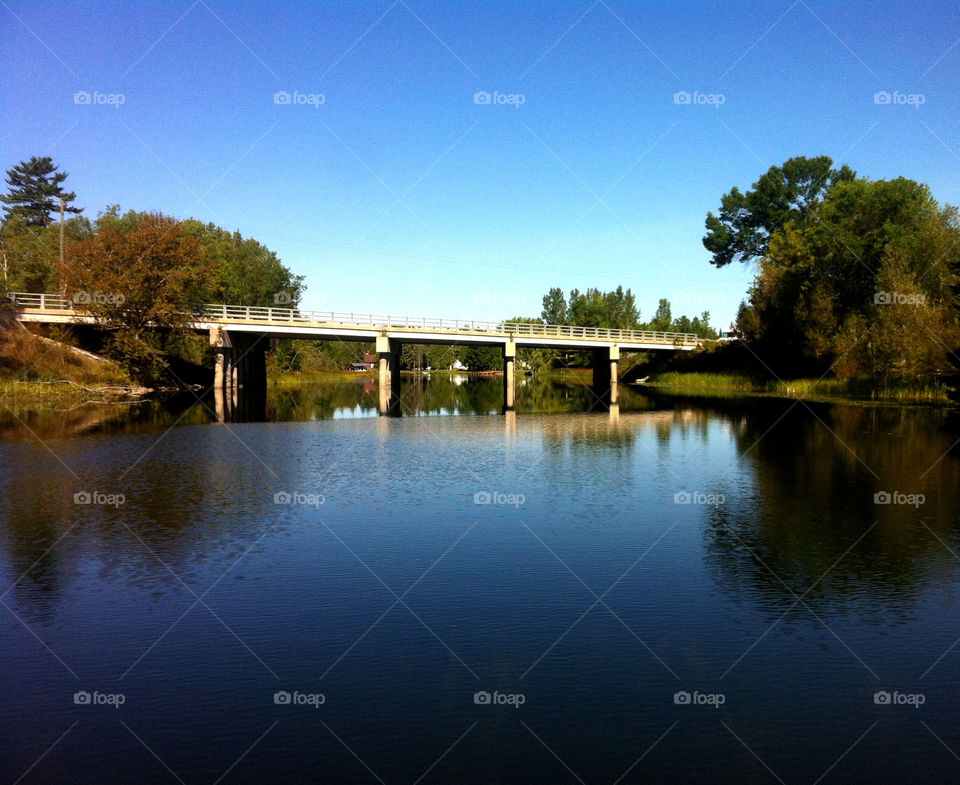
column 133, row 270
column 855, row 278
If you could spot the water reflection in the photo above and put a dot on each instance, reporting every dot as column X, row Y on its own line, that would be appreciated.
column 807, row 524
column 106, row 587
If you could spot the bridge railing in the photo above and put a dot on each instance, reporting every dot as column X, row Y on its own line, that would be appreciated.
column 386, row 321
column 46, row 302
column 294, row 316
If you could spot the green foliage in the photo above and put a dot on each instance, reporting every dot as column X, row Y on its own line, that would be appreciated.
column 307, row 357
column 482, row 358
column 615, row 309
column 36, row 191
column 248, row 273
column 420, row 357
column 554, row 307
column 862, row 287
column 29, row 253
column 662, row 319
column 785, row 195
column 140, row 356
column 698, row 325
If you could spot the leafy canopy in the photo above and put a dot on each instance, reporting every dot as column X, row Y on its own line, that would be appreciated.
column 785, row 195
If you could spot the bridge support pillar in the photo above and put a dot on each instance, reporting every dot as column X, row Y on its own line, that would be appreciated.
column 239, row 376
column 509, row 363
column 605, row 376
column 222, row 374
column 388, row 354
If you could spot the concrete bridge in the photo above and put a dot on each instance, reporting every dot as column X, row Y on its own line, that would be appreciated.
column 240, row 335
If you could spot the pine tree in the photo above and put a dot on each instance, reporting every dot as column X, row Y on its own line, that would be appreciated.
column 36, row 188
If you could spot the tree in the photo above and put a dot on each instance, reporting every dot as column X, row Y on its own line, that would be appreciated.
column 662, row 319
column 615, row 309
column 248, row 273
column 28, row 254
column 482, row 358
column 784, row 195
column 862, row 287
column 554, row 307
column 36, row 191
column 138, row 280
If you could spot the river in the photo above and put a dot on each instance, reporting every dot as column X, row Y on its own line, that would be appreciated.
column 686, row 590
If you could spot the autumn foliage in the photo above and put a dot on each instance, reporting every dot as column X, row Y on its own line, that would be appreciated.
column 135, row 277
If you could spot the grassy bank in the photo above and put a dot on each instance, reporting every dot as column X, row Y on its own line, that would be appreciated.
column 851, row 389
column 39, row 373
column 22, row 397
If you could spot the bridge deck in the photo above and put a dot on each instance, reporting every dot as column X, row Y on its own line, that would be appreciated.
column 282, row 322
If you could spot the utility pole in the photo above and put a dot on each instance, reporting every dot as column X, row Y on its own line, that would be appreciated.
column 63, row 204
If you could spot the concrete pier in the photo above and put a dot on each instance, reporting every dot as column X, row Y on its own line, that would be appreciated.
column 509, row 363
column 604, row 363
column 239, row 376
column 388, row 360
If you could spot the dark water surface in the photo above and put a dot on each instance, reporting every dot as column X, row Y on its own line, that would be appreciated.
column 686, row 591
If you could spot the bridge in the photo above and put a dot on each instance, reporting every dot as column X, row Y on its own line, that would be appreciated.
column 238, row 333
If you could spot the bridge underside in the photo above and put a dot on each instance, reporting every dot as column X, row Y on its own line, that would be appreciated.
column 239, row 376
column 605, row 377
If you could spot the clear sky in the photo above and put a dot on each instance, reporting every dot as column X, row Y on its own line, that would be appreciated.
column 388, row 185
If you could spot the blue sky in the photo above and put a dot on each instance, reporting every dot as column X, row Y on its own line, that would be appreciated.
column 392, row 190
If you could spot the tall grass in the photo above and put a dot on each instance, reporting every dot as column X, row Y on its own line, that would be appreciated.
column 920, row 391
column 723, row 381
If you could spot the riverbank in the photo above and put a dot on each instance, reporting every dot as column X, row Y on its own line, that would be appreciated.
column 808, row 389
column 20, row 397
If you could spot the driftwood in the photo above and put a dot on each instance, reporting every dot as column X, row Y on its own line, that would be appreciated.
column 125, row 390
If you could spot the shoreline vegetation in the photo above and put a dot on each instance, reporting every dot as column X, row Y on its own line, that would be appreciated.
column 38, row 373
column 689, row 383
column 22, row 395
column 857, row 390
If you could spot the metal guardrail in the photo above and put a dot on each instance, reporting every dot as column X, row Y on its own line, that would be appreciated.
column 294, row 316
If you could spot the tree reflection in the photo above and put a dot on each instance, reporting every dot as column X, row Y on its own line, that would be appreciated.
column 809, row 526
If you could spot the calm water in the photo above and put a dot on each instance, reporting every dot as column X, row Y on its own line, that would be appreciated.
column 622, row 636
